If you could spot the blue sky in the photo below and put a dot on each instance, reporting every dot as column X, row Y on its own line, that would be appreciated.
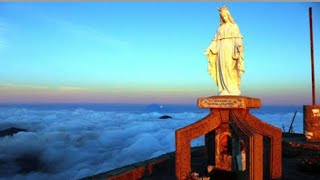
column 150, row 52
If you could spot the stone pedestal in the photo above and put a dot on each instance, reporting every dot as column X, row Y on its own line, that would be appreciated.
column 234, row 139
column 311, row 122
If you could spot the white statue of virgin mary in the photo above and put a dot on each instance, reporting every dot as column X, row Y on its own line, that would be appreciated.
column 225, row 55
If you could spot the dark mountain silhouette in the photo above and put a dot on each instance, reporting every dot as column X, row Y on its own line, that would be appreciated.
column 10, row 131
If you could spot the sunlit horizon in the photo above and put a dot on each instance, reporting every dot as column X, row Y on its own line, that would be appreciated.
column 150, row 52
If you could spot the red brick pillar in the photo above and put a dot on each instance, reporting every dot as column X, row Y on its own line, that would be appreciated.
column 311, row 122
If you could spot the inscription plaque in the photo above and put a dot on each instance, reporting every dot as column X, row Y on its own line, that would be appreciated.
column 229, row 102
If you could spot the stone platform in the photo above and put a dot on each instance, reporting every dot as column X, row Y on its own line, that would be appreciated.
column 235, row 140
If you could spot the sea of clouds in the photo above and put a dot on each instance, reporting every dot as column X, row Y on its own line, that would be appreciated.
column 75, row 143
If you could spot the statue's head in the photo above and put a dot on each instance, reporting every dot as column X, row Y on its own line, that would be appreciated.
column 225, row 15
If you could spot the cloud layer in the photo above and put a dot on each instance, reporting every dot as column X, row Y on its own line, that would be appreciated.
column 75, row 143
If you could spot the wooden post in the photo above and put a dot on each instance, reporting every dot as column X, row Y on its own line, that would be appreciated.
column 312, row 58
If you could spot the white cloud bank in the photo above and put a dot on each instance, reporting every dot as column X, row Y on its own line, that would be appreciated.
column 71, row 144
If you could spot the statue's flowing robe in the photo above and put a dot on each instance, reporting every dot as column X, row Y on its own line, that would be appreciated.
column 226, row 62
